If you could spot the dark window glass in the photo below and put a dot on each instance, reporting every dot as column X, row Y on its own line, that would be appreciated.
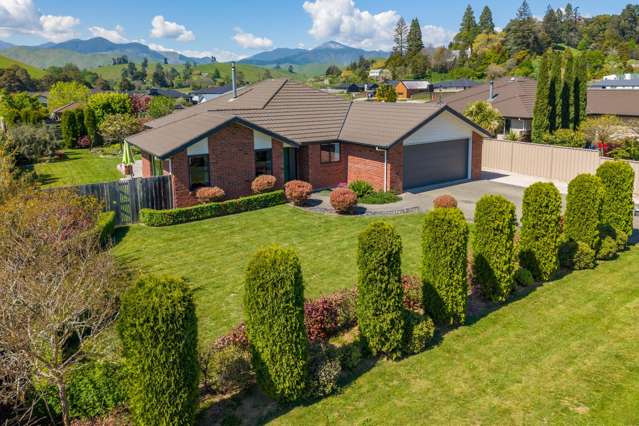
column 199, row 171
column 329, row 153
column 263, row 162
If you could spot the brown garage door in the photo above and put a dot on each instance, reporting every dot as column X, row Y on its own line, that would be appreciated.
column 431, row 163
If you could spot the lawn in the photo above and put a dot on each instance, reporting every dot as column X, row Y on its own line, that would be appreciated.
column 565, row 352
column 80, row 166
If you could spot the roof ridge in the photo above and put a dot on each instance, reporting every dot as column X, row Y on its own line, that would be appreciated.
column 275, row 93
column 339, row 134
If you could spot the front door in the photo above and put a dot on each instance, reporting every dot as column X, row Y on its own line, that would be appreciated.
column 290, row 164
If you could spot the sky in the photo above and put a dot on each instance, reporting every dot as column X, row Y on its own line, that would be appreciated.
column 235, row 29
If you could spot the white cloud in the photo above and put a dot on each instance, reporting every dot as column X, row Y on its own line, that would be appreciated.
column 220, row 55
column 115, row 35
column 22, row 17
column 343, row 21
column 433, row 35
column 161, row 28
column 251, row 41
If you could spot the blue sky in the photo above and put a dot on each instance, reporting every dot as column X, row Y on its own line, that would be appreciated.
column 232, row 29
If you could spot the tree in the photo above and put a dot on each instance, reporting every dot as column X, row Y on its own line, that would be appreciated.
column 541, row 110
column 468, row 30
column 158, row 78
column 523, row 33
column 583, row 209
column 554, row 94
column 16, row 79
column 69, row 129
column 216, row 74
column 333, row 71
column 486, row 24
column 386, row 93
column 125, row 85
column 161, row 106
column 579, row 91
column 63, row 93
column 59, row 288
column 552, row 25
column 418, row 66
column 400, row 37
column 414, row 41
column 485, row 115
column 567, row 85
column 106, row 103
column 187, row 71
column 116, row 127
column 291, row 70
column 91, row 126
column 618, row 205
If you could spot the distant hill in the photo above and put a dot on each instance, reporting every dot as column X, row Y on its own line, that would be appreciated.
column 330, row 52
column 33, row 71
column 5, row 45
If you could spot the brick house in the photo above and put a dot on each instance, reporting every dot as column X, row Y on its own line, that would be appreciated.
column 291, row 131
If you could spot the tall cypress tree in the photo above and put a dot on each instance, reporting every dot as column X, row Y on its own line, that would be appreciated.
column 414, row 39
column 554, row 93
column 566, row 91
column 486, row 24
column 579, row 91
column 540, row 124
column 468, row 30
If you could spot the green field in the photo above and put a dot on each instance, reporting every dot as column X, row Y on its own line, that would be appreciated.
column 80, row 166
column 33, row 71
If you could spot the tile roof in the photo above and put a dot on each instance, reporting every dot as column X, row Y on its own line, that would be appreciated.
column 613, row 102
column 465, row 83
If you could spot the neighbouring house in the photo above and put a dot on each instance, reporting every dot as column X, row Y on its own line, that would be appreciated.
column 621, row 103
column 203, row 95
column 379, row 74
column 632, row 82
column 453, row 85
column 405, row 89
column 284, row 128
column 169, row 93
column 56, row 114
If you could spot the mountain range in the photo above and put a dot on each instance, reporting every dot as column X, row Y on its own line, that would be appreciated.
column 330, row 52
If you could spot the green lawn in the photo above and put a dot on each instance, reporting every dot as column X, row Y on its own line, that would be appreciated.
column 80, row 166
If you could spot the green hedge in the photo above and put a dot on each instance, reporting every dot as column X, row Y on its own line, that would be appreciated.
column 541, row 229
column 444, row 247
column 105, row 227
column 205, row 211
column 494, row 247
column 158, row 330
column 618, row 206
column 583, row 209
column 274, row 313
column 380, row 309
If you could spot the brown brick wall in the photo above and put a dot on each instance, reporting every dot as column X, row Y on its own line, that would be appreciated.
column 475, row 168
column 396, row 168
column 326, row 175
column 278, row 162
column 182, row 196
column 232, row 160
column 366, row 163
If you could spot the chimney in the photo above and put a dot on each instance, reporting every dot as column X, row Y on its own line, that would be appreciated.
column 234, row 79
column 491, row 90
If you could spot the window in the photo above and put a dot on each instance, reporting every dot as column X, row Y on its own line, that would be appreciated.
column 263, row 162
column 199, row 171
column 329, row 153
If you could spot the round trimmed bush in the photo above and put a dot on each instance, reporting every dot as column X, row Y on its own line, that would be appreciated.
column 583, row 209
column 541, row 229
column 420, row 330
column 607, row 249
column 380, row 293
column 263, row 183
column 445, row 201
column 158, row 330
column 444, row 265
column 584, row 257
column 274, row 312
column 524, row 278
column 343, row 200
column 298, row 191
column 209, row 194
column 494, row 247
column 361, row 188
column 622, row 241
column 618, row 207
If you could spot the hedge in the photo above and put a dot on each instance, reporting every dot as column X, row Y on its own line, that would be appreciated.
column 152, row 217
column 380, row 308
column 583, row 209
column 105, row 227
column 494, row 247
column 541, row 229
column 274, row 313
column 444, row 246
column 158, row 330
column 618, row 179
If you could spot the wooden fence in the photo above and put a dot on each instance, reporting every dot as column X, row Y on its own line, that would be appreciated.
column 545, row 161
column 127, row 197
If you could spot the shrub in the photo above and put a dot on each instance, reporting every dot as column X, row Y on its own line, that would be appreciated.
column 607, row 249
column 105, row 227
column 379, row 289
column 380, row 197
column 324, row 371
column 350, row 355
column 152, row 217
column 68, row 128
column 361, row 188
column 228, row 369
column 494, row 247
column 320, row 319
column 343, row 200
column 346, row 302
column 618, row 206
column 584, row 257
column 622, row 240
column 107, row 103
column 583, row 209
column 445, row 201
column 412, row 293
column 524, row 278
column 263, row 183
column 540, row 232
column 298, row 191
column 565, row 137
column 209, row 194
column 27, row 143
column 274, row 312
column 84, row 142
column 159, row 106
column 91, row 126
column 158, row 330
column 420, row 330
column 567, row 249
column 444, row 258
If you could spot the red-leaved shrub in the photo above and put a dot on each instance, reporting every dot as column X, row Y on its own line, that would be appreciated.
column 412, row 292
column 298, row 191
column 343, row 200
column 445, row 201
column 320, row 318
column 84, row 142
column 263, row 183
column 236, row 336
column 208, row 194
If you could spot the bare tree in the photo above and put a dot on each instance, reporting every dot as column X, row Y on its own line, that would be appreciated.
column 59, row 289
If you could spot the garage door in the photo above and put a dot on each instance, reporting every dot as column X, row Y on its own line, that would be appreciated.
column 431, row 163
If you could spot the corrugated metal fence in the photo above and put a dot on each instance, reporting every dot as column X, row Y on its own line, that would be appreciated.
column 546, row 161
column 127, row 197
